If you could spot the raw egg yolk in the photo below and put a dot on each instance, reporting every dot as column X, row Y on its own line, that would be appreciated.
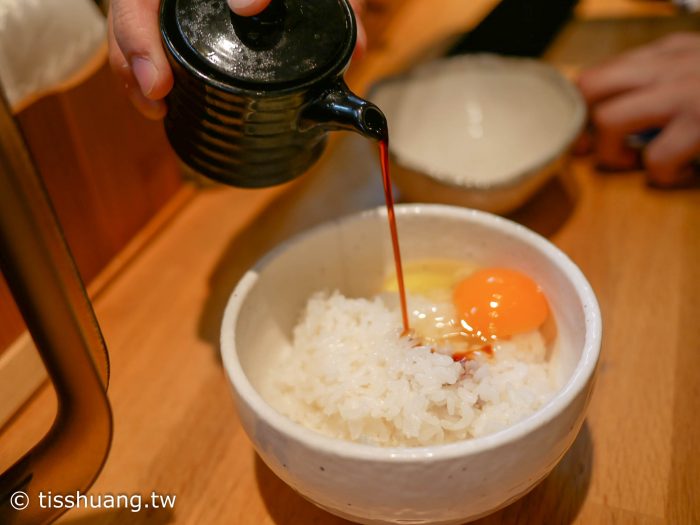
column 500, row 302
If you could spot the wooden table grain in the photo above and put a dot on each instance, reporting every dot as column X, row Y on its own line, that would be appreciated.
column 635, row 461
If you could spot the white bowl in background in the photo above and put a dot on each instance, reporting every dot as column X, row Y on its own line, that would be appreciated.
column 441, row 484
column 481, row 131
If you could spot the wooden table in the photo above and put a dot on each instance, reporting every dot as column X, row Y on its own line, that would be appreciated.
column 636, row 459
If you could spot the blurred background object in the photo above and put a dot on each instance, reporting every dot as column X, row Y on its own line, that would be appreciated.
column 517, row 28
column 692, row 6
column 479, row 130
column 44, row 43
column 53, row 301
column 108, row 171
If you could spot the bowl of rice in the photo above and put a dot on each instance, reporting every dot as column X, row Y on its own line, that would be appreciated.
column 377, row 428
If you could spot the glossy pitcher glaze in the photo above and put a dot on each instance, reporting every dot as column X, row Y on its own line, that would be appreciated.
column 255, row 97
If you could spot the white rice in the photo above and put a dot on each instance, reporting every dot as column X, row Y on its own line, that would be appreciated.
column 350, row 375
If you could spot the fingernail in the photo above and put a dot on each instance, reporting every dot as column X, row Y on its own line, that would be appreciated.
column 245, row 7
column 145, row 73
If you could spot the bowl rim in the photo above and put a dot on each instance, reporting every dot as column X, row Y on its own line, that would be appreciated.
column 491, row 61
column 580, row 376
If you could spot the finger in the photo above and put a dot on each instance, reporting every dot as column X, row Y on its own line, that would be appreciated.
column 681, row 41
column 634, row 69
column 153, row 109
column 137, row 33
column 617, row 118
column 613, row 78
column 248, row 7
column 637, row 68
column 253, row 7
column 668, row 157
column 117, row 61
column 358, row 6
column 361, row 44
column 583, row 144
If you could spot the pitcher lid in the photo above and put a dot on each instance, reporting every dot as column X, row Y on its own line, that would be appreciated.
column 291, row 43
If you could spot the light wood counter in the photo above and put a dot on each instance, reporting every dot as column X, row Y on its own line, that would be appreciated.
column 176, row 430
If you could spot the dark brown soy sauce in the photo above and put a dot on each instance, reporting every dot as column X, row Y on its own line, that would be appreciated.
column 389, row 198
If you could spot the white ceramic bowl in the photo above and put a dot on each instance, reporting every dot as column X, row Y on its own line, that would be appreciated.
column 481, row 131
column 441, row 484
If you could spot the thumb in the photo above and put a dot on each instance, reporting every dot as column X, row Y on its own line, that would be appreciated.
column 136, row 32
column 248, row 7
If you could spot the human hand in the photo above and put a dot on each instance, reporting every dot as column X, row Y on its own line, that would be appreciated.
column 137, row 56
column 653, row 87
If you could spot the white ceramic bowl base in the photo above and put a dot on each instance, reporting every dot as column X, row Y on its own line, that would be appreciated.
column 442, row 484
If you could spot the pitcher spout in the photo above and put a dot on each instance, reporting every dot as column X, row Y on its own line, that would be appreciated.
column 338, row 108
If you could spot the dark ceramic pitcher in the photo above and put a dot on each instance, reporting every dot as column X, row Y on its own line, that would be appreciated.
column 255, row 97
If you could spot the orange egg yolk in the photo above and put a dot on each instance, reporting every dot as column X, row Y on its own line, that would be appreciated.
column 500, row 302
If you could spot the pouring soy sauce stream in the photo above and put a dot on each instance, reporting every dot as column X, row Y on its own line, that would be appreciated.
column 389, row 198
column 254, row 98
